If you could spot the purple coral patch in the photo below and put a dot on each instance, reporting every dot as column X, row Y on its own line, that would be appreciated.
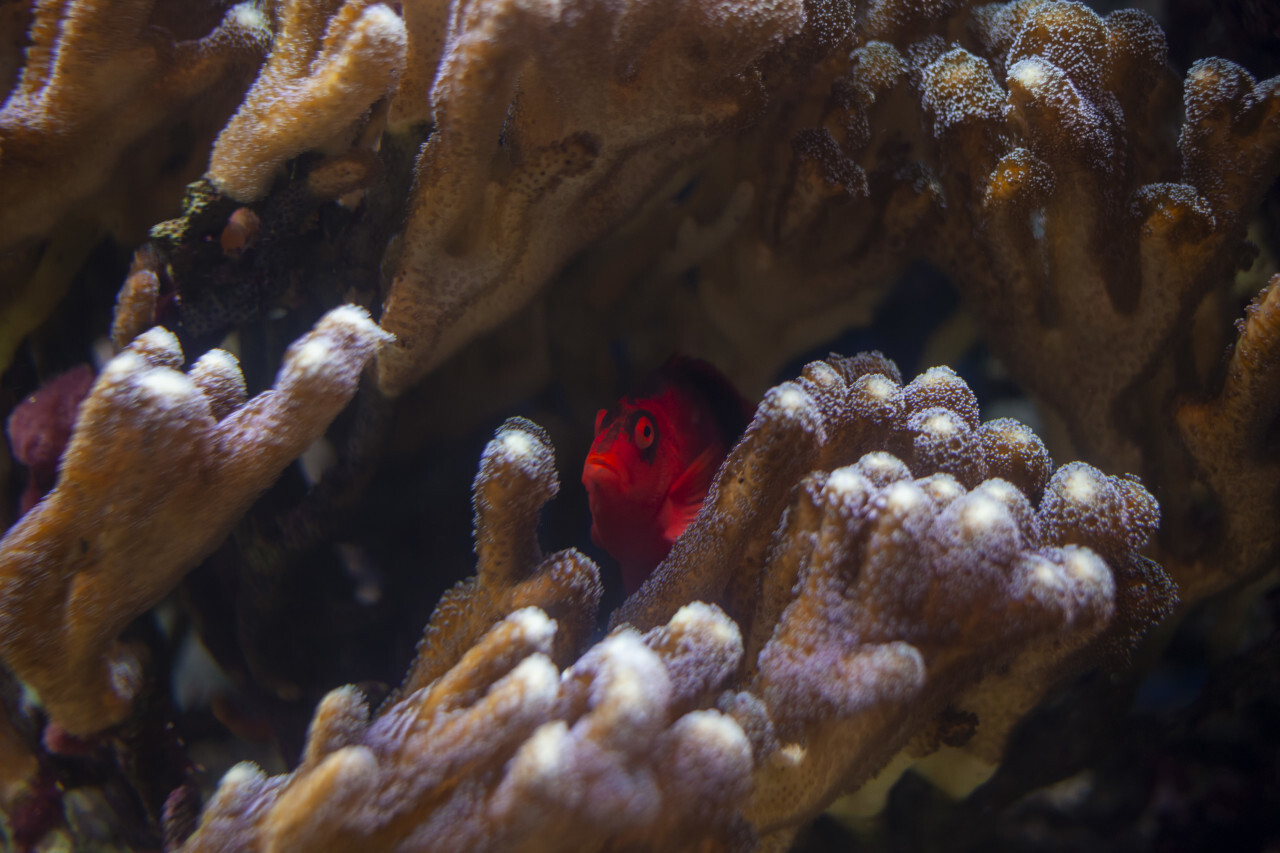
column 40, row 427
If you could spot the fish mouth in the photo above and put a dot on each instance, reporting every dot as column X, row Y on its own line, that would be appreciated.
column 598, row 469
column 599, row 461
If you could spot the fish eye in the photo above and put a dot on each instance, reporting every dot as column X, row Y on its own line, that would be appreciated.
column 644, row 432
column 599, row 420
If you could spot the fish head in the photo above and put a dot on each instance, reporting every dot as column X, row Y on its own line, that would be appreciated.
column 625, row 467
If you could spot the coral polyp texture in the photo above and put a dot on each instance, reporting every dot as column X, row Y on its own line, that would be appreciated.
column 517, row 477
column 154, row 449
column 94, row 124
column 882, row 593
column 524, row 205
column 505, row 752
column 328, row 65
column 905, row 561
column 526, row 165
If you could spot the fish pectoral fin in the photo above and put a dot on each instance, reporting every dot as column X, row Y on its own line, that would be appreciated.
column 687, row 493
column 676, row 517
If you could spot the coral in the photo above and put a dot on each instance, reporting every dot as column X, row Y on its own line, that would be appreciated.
column 153, row 449
column 138, row 302
column 911, row 593
column 547, row 198
column 1024, row 149
column 884, row 600
column 1229, row 437
column 865, row 590
column 526, row 164
column 89, row 61
column 328, row 64
column 517, row 476
column 502, row 752
column 90, row 128
column 1091, row 257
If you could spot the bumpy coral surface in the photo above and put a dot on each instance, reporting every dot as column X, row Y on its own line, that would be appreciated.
column 327, row 66
column 879, row 600
column 539, row 199
column 570, row 160
column 503, row 752
column 517, row 477
column 92, row 125
column 154, row 449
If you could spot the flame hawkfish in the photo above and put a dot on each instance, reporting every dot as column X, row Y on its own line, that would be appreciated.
column 654, row 456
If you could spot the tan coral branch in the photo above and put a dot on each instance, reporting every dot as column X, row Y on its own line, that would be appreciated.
column 328, row 65
column 153, row 449
column 517, row 477
column 503, row 752
column 98, row 80
column 1234, row 453
column 527, row 165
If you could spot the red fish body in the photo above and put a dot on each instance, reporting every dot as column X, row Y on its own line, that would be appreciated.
column 655, row 454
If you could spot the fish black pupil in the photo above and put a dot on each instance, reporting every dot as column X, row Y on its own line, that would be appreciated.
column 645, row 434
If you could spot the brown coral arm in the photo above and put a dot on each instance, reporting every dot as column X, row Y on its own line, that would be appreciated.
column 154, row 448
column 328, row 65
column 884, row 591
column 504, row 752
column 517, row 477
column 98, row 79
column 526, row 165
column 915, row 591
column 1232, row 438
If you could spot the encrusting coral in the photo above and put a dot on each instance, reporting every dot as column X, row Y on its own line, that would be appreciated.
column 153, row 449
column 877, row 593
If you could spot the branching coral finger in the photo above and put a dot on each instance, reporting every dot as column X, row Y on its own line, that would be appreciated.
column 906, row 582
column 503, row 752
column 1090, row 257
column 327, row 66
column 883, row 595
column 1228, row 436
column 153, row 449
column 740, row 180
column 517, row 476
column 570, row 160
column 89, row 61
column 91, row 135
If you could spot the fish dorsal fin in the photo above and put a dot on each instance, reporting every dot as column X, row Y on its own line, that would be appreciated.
column 687, row 493
column 729, row 408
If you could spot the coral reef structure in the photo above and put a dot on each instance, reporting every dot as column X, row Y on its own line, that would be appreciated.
column 521, row 204
column 327, row 66
column 526, row 165
column 885, row 592
column 88, row 132
column 505, row 753
column 154, row 449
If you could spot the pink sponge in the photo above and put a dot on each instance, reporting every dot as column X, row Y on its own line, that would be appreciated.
column 40, row 427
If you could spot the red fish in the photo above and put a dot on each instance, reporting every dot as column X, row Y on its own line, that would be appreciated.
column 653, row 459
